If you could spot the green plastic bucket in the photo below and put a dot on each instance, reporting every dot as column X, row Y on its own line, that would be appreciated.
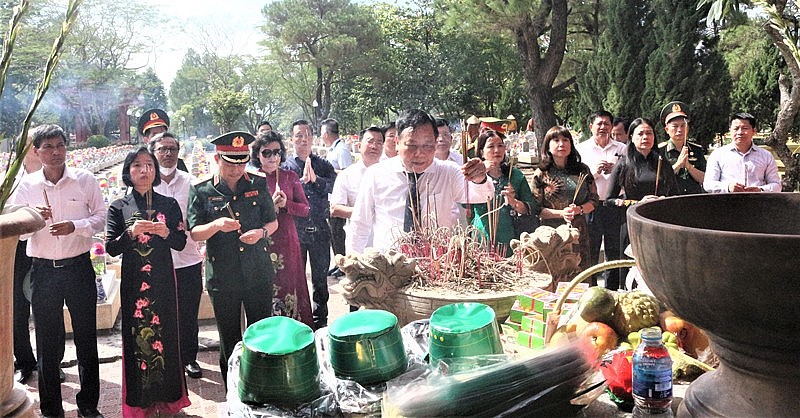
column 279, row 363
column 366, row 346
column 463, row 330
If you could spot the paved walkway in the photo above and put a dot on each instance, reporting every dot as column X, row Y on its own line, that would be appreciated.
column 207, row 394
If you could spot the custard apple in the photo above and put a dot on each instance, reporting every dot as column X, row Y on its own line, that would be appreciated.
column 634, row 311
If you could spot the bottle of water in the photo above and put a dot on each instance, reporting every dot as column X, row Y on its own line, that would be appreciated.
column 652, row 375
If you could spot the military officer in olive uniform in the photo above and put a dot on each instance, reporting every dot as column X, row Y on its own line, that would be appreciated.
column 234, row 214
column 687, row 158
column 153, row 122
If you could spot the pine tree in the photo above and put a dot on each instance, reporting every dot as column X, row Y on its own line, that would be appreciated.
column 612, row 79
column 685, row 66
column 757, row 90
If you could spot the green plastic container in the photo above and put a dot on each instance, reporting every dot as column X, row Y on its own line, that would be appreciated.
column 366, row 346
column 279, row 363
column 463, row 330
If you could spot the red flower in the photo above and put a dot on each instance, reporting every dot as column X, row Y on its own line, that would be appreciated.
column 144, row 239
column 143, row 366
column 155, row 320
column 138, row 314
column 158, row 347
column 161, row 218
column 142, row 303
column 618, row 375
column 146, row 268
column 144, row 287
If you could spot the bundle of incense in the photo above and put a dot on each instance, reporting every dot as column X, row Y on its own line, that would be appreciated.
column 233, row 215
column 581, row 179
column 658, row 175
column 52, row 215
column 149, row 199
column 278, row 179
column 744, row 165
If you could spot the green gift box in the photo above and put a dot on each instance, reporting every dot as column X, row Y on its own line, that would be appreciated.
column 508, row 324
column 517, row 312
column 533, row 323
column 544, row 302
column 527, row 297
column 530, row 340
column 575, row 294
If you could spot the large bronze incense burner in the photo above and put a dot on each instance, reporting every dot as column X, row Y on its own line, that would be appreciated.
column 729, row 264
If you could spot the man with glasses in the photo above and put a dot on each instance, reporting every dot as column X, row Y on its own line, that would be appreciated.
column 313, row 231
column 235, row 215
column 70, row 201
column 188, row 262
column 153, row 122
column 687, row 158
column 412, row 189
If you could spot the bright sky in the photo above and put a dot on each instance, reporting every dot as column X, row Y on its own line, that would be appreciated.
column 233, row 25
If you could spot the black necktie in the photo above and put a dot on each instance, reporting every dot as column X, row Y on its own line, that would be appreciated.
column 412, row 202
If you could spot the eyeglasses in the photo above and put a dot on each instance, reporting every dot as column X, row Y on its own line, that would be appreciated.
column 167, row 150
column 268, row 153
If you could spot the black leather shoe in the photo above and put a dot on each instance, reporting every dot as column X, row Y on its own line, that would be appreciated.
column 89, row 413
column 61, row 376
column 336, row 272
column 22, row 375
column 193, row 370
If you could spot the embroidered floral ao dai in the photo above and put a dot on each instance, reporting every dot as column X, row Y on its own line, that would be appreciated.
column 153, row 381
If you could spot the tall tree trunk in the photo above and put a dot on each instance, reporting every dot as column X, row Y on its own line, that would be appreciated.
column 540, row 71
column 790, row 106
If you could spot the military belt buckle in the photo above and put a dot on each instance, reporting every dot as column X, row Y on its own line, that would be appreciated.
column 311, row 229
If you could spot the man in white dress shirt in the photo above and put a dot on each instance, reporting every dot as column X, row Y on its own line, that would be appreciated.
column 381, row 206
column 71, row 203
column 742, row 166
column 188, row 262
column 345, row 189
column 600, row 153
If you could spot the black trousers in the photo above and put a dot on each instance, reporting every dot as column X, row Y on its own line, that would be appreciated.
column 604, row 226
column 52, row 287
column 228, row 310
column 190, row 288
column 23, row 352
column 318, row 251
column 338, row 235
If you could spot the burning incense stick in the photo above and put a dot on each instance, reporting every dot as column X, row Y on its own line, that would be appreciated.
column 149, row 199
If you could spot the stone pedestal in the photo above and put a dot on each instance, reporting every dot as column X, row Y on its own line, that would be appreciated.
column 15, row 221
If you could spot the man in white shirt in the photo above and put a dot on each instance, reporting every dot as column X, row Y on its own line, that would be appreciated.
column 345, row 189
column 340, row 158
column 600, row 153
column 444, row 142
column 389, row 140
column 742, row 166
column 70, row 201
column 188, row 262
column 381, row 207
column 338, row 152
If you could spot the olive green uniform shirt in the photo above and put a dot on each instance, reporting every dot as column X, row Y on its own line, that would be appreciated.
column 230, row 263
column 697, row 158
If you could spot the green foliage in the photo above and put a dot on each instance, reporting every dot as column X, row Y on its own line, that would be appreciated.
column 22, row 147
column 323, row 37
column 226, row 106
column 612, row 77
column 757, row 89
column 686, row 66
column 152, row 88
column 98, row 141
